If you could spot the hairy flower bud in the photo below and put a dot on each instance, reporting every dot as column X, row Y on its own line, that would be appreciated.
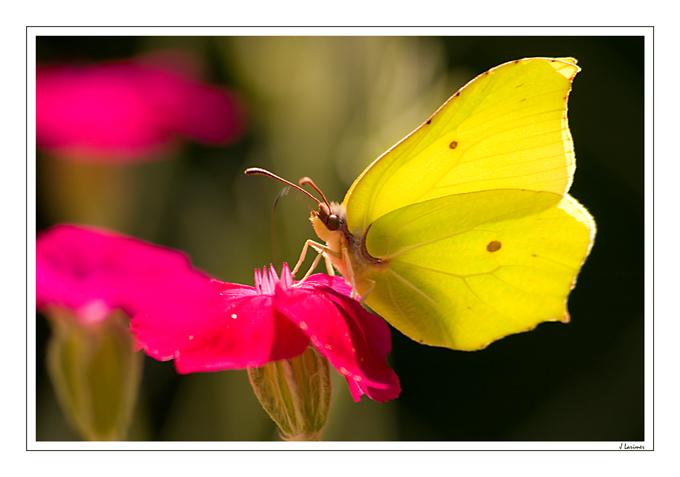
column 296, row 393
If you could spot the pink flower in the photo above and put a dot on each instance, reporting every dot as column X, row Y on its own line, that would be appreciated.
column 129, row 110
column 278, row 319
column 93, row 272
column 207, row 325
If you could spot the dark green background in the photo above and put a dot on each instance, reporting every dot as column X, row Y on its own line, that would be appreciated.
column 577, row 382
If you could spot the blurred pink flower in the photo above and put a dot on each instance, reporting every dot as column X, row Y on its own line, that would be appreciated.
column 129, row 110
column 249, row 327
column 93, row 272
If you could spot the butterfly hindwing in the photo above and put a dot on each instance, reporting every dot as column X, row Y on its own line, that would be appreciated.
column 464, row 270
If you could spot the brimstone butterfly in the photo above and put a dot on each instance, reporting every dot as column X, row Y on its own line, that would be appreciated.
column 463, row 232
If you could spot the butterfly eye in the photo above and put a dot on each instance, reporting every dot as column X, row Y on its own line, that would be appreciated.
column 329, row 219
column 332, row 222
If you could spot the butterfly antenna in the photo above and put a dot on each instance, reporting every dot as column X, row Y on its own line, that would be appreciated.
column 307, row 180
column 263, row 172
column 276, row 250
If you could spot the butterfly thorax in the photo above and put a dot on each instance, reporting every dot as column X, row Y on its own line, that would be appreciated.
column 330, row 224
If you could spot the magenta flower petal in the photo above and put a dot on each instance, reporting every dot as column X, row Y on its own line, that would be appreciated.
column 206, row 325
column 249, row 327
column 93, row 271
column 240, row 330
column 355, row 341
column 128, row 110
column 200, row 111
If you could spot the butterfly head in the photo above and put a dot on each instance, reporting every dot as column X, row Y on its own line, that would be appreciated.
column 329, row 220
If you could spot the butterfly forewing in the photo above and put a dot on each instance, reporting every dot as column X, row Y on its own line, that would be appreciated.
column 505, row 129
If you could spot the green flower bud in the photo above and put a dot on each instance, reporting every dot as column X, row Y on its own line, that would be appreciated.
column 296, row 393
column 95, row 373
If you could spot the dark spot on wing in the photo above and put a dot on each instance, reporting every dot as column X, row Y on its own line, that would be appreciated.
column 493, row 246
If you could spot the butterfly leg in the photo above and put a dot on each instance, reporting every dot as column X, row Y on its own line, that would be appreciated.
column 362, row 299
column 329, row 265
column 349, row 272
column 321, row 250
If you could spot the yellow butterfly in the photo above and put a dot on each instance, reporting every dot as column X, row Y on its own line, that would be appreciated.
column 463, row 232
